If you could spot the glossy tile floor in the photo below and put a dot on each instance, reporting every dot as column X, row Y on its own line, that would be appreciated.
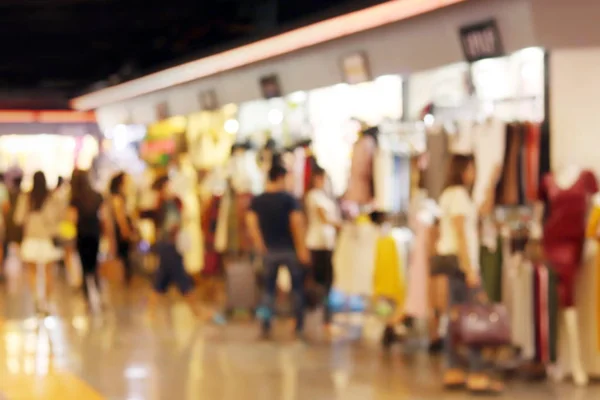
column 123, row 355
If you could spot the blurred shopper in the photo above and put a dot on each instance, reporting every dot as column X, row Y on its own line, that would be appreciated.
column 169, row 247
column 458, row 258
column 87, row 212
column 38, row 213
column 323, row 223
column 4, row 205
column 277, row 229
column 122, row 222
column 14, row 232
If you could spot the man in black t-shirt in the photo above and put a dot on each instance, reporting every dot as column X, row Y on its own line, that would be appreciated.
column 277, row 229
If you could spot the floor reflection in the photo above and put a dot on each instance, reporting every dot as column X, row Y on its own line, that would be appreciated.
column 123, row 355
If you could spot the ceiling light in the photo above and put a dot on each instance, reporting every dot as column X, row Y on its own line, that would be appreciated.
column 275, row 117
column 232, row 126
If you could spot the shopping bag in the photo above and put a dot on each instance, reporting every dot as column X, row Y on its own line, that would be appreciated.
column 74, row 271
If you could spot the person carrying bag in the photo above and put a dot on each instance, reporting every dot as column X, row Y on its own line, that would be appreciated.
column 457, row 258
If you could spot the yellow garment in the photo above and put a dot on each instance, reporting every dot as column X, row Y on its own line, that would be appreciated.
column 388, row 278
column 593, row 233
column 67, row 230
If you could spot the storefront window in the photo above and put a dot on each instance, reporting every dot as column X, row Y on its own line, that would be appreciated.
column 210, row 135
column 334, row 113
column 283, row 119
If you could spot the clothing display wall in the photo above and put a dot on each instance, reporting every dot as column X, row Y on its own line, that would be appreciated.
column 208, row 138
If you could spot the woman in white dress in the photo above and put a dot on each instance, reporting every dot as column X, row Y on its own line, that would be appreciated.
column 38, row 212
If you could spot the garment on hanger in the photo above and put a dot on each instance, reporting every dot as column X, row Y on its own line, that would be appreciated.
column 438, row 158
column 360, row 186
column 509, row 188
column 546, row 313
column 523, row 310
column 564, row 228
column 388, row 277
column 354, row 258
column 489, row 143
column 383, row 179
column 593, row 233
column 532, row 161
column 491, row 270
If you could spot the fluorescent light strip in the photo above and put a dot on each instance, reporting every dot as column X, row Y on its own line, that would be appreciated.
column 320, row 32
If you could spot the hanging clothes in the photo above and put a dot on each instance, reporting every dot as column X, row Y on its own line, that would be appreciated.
column 354, row 258
column 523, row 312
column 491, row 270
column 438, row 158
column 546, row 313
column 388, row 277
column 509, row 188
column 360, row 185
column 532, row 161
column 383, row 179
column 418, row 271
column 593, row 232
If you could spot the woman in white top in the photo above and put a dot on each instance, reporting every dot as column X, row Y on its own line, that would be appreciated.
column 458, row 258
column 39, row 214
column 321, row 212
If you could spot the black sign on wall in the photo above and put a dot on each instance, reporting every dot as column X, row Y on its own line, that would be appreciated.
column 481, row 40
column 208, row 100
column 162, row 111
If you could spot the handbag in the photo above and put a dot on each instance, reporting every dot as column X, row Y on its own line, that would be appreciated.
column 480, row 324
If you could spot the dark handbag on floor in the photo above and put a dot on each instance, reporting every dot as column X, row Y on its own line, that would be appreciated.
column 480, row 324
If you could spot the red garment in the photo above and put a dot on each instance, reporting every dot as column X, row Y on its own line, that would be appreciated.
column 564, row 228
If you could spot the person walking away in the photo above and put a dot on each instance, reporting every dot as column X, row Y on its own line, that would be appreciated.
column 88, row 212
column 122, row 223
column 37, row 213
column 458, row 257
column 171, row 269
column 277, row 229
column 323, row 223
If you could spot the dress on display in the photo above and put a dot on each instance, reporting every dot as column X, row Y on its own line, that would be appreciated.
column 389, row 282
column 565, row 227
column 354, row 258
column 360, row 186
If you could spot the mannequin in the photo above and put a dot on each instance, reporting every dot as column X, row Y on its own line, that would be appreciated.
column 566, row 193
column 360, row 186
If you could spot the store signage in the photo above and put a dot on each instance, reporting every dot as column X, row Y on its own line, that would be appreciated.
column 162, row 111
column 208, row 100
column 481, row 40
column 270, row 87
column 355, row 68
